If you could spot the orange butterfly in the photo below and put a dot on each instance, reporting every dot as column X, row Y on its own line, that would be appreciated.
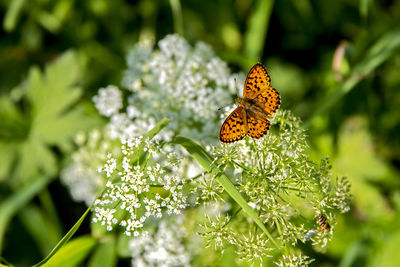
column 259, row 102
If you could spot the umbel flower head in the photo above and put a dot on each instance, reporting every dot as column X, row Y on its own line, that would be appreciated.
column 164, row 247
column 136, row 191
column 141, row 180
column 183, row 83
column 283, row 185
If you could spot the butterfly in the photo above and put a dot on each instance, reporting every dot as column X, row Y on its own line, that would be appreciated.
column 323, row 223
column 251, row 117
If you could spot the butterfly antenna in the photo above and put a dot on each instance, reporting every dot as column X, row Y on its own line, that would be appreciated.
column 237, row 92
column 219, row 109
column 237, row 88
column 223, row 107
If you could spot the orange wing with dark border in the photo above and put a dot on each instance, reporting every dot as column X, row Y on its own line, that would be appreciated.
column 269, row 100
column 257, row 80
column 234, row 127
column 257, row 128
column 258, row 88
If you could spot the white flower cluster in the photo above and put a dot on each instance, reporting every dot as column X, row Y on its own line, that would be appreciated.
column 142, row 190
column 293, row 260
column 253, row 248
column 184, row 84
column 215, row 233
column 108, row 101
column 163, row 248
column 142, row 178
column 81, row 176
column 283, row 185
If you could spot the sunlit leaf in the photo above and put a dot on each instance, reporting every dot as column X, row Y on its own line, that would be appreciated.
column 73, row 253
column 356, row 158
column 105, row 253
column 52, row 118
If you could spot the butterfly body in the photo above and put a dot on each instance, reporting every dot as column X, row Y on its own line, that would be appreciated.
column 252, row 109
column 251, row 117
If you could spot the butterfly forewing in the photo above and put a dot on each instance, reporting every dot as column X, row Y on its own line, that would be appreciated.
column 234, row 128
column 257, row 80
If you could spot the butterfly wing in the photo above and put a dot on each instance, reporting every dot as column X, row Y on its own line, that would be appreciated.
column 257, row 88
column 257, row 128
column 257, row 80
column 252, row 121
column 269, row 100
column 234, row 127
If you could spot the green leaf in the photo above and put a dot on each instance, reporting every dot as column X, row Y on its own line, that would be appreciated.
column 105, row 253
column 73, row 253
column 15, row 202
column 11, row 17
column 364, row 8
column 388, row 254
column 53, row 92
column 65, row 239
column 257, row 28
column 13, row 124
column 53, row 118
column 357, row 159
column 353, row 251
column 7, row 157
column 34, row 157
column 40, row 227
column 13, row 129
column 177, row 15
column 205, row 160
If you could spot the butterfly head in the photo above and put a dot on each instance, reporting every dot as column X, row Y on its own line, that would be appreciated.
column 239, row 100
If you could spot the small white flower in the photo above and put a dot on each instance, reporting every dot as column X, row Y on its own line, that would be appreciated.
column 129, row 187
column 108, row 101
column 164, row 247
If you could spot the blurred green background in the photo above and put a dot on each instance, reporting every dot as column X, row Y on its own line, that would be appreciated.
column 336, row 65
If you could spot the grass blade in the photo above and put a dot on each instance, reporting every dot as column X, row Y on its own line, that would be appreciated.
column 74, row 253
column 19, row 199
column 381, row 51
column 156, row 129
column 66, row 238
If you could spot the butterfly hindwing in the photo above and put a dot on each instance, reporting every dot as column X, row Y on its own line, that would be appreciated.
column 257, row 128
column 269, row 100
column 234, row 128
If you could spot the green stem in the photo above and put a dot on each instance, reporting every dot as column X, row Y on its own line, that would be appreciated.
column 177, row 15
